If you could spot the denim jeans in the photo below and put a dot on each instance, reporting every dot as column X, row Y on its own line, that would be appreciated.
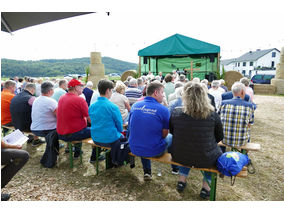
column 42, row 133
column 76, row 136
column 125, row 120
column 184, row 171
column 147, row 163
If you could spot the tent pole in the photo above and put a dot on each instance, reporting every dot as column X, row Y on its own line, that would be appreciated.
column 139, row 67
column 218, row 63
column 157, row 72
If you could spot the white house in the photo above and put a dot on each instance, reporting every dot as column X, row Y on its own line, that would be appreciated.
column 251, row 63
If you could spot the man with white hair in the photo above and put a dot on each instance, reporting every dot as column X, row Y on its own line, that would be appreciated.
column 88, row 92
column 132, row 92
column 237, row 115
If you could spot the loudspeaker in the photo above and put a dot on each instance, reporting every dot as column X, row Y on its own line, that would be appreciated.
column 145, row 60
column 212, row 58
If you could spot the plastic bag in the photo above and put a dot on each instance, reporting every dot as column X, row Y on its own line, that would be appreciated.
column 231, row 163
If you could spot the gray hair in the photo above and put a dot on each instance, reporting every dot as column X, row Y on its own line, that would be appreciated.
column 139, row 81
column 215, row 83
column 30, row 86
column 89, row 84
column 9, row 84
column 204, row 81
column 222, row 81
column 245, row 81
column 178, row 84
column 196, row 80
column 61, row 82
column 181, row 77
column 46, row 87
column 132, row 82
column 237, row 87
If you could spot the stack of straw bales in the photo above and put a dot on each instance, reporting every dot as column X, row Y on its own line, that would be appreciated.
column 231, row 77
column 127, row 73
column 97, row 69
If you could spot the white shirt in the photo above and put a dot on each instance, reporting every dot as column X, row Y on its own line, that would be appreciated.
column 217, row 97
column 43, row 117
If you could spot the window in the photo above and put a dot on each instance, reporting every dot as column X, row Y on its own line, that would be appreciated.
column 244, row 72
column 250, row 74
column 244, row 64
column 272, row 63
column 238, row 64
column 251, row 63
column 273, row 54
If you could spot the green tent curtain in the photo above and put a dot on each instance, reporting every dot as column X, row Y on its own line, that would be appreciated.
column 201, row 65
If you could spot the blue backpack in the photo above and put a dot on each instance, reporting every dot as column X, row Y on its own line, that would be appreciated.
column 231, row 163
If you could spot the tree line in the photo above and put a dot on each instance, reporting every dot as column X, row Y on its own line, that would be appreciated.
column 59, row 67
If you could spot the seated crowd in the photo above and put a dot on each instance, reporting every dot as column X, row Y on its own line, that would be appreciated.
column 164, row 114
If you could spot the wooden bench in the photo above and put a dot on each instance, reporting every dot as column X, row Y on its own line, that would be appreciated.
column 13, row 129
column 243, row 149
column 167, row 158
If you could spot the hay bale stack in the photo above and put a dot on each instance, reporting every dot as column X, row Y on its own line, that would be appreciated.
column 127, row 73
column 231, row 77
column 266, row 89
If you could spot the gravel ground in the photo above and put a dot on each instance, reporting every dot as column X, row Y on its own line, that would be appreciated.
column 36, row 183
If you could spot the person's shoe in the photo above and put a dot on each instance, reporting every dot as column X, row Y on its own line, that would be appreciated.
column 37, row 142
column 181, row 186
column 147, row 177
column 77, row 154
column 93, row 158
column 175, row 171
column 5, row 197
column 205, row 194
column 31, row 138
column 67, row 150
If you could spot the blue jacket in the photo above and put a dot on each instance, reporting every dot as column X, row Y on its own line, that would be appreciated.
column 106, row 121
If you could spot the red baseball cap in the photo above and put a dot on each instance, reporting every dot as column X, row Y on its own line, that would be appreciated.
column 74, row 82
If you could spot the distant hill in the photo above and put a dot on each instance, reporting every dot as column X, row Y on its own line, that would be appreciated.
column 58, row 67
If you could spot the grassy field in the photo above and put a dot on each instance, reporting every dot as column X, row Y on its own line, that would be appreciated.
column 35, row 182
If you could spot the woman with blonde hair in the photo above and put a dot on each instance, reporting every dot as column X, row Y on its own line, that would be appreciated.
column 196, row 130
column 121, row 101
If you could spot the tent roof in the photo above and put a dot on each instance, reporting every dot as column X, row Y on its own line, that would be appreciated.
column 12, row 21
column 179, row 45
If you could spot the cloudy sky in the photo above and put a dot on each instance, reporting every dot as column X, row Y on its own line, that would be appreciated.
column 236, row 26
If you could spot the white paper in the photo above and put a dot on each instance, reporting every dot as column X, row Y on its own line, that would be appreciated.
column 15, row 138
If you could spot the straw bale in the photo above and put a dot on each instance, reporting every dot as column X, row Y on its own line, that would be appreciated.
column 127, row 73
column 231, row 77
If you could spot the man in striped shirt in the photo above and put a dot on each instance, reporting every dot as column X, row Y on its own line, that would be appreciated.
column 237, row 116
column 132, row 92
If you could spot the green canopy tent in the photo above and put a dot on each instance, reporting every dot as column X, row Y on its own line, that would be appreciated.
column 179, row 52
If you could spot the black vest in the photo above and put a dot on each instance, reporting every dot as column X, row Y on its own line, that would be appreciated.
column 21, row 111
column 195, row 140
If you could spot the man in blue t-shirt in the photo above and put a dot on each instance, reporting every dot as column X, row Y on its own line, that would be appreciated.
column 149, row 127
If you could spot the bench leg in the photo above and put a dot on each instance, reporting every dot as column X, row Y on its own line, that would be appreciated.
column 97, row 160
column 70, row 154
column 213, row 186
column 108, row 161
